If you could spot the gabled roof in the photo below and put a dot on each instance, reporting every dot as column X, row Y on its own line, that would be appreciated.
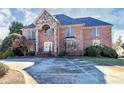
column 66, row 20
column 89, row 21
column 30, row 26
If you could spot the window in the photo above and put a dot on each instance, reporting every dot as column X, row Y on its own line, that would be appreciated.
column 96, row 32
column 48, row 32
column 70, row 45
column 69, row 32
column 31, row 35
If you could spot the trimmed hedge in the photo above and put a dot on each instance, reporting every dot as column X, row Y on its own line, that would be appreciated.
column 3, row 69
column 100, row 50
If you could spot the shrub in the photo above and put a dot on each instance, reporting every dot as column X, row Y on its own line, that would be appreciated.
column 7, row 53
column 31, row 53
column 108, row 52
column 100, row 50
column 3, row 69
column 1, row 54
column 93, row 51
column 18, row 52
column 62, row 52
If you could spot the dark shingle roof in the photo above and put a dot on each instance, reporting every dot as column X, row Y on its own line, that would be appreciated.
column 89, row 21
column 66, row 20
column 30, row 26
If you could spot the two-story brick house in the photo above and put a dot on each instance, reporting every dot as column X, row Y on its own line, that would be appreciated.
column 56, row 34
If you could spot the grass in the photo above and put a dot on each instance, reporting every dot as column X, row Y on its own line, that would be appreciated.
column 111, row 61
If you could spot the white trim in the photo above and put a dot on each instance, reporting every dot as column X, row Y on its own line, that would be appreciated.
column 37, row 41
column 44, row 10
column 55, row 40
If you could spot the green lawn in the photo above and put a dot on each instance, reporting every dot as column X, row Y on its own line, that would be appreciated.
column 112, row 61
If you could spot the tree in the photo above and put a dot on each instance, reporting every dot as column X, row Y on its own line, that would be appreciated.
column 119, row 41
column 117, row 46
column 15, row 27
column 8, row 41
column 22, row 45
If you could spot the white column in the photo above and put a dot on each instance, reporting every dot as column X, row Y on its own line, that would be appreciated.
column 55, row 41
column 37, row 41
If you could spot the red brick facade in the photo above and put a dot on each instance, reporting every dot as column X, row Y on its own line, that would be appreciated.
column 81, row 39
column 105, row 37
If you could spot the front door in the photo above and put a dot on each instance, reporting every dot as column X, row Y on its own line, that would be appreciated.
column 47, row 46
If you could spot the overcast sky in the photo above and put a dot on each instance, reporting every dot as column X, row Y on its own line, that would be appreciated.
column 114, row 16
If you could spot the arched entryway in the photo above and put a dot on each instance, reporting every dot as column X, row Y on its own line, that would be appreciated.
column 47, row 40
column 48, row 43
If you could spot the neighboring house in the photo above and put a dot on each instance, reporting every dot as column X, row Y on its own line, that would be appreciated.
column 56, row 34
column 122, row 45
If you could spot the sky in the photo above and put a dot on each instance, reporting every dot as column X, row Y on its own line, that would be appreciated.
column 26, row 16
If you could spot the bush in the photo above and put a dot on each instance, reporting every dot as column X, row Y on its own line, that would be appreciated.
column 7, row 53
column 1, row 54
column 100, row 50
column 18, row 52
column 108, row 52
column 3, row 69
column 93, row 51
column 31, row 53
column 62, row 52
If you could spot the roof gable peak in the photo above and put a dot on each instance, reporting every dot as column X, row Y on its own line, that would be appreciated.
column 44, row 12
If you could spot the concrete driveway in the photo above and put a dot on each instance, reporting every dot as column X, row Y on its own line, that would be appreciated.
column 62, row 71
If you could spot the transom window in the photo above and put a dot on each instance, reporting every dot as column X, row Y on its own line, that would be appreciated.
column 96, row 32
column 70, row 32
column 48, row 32
column 31, row 35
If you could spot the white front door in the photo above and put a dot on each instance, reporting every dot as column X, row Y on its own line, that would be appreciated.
column 47, row 46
